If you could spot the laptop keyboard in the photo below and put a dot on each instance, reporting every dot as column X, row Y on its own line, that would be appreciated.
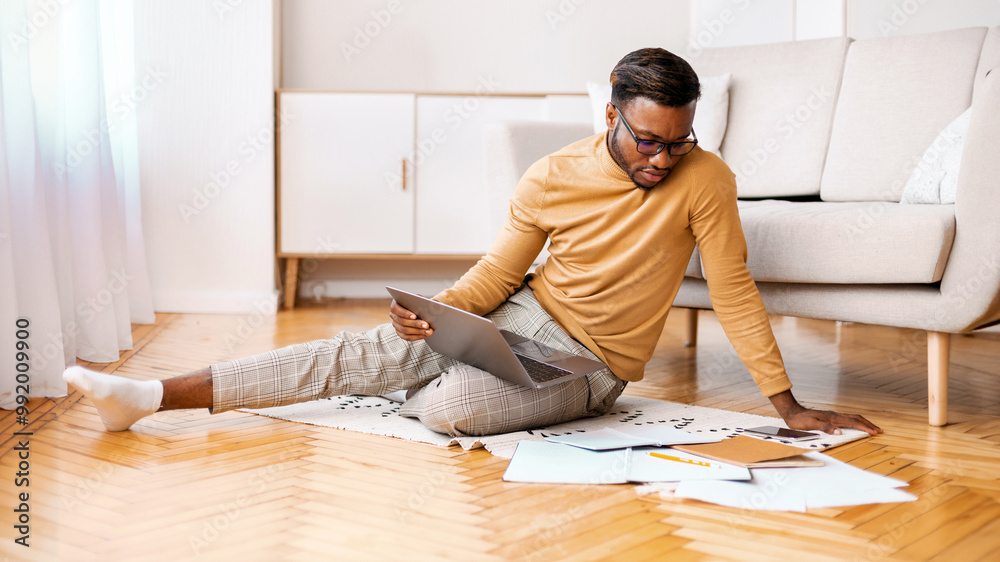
column 541, row 372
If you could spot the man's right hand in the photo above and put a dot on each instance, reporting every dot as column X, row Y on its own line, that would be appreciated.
column 407, row 325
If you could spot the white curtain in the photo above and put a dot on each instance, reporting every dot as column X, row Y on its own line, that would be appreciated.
column 72, row 257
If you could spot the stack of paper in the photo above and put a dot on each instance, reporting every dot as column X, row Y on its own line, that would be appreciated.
column 716, row 472
column 834, row 484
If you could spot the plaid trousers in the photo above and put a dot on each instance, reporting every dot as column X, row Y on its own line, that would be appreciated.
column 453, row 398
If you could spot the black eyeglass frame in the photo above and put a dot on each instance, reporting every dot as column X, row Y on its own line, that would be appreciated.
column 687, row 146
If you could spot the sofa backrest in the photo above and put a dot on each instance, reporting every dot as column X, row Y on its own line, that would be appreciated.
column 781, row 102
column 897, row 94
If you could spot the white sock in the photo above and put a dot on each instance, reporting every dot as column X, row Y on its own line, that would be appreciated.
column 121, row 402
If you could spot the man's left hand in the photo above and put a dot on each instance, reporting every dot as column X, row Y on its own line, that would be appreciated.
column 798, row 416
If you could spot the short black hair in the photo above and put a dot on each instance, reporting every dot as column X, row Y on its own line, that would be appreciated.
column 657, row 74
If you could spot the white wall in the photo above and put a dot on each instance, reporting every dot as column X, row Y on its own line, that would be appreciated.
column 815, row 19
column 727, row 23
column 883, row 18
column 447, row 45
column 206, row 154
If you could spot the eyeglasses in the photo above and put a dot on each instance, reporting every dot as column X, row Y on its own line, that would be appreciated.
column 652, row 148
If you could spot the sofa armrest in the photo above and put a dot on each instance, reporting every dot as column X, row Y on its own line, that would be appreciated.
column 970, row 288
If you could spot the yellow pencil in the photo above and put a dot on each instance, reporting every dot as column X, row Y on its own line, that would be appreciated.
column 679, row 459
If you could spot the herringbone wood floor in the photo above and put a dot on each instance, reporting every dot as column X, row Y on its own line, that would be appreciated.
column 188, row 485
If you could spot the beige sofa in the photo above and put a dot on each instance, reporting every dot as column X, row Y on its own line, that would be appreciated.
column 823, row 136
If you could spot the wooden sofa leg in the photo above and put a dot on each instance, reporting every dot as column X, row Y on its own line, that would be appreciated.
column 692, row 327
column 938, row 351
column 291, row 281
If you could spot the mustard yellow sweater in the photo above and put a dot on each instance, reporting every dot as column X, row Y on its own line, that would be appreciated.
column 619, row 253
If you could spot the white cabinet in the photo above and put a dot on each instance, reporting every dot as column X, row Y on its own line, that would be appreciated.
column 366, row 175
column 342, row 187
column 452, row 207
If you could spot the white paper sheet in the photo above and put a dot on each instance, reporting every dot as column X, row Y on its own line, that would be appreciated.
column 754, row 495
column 554, row 463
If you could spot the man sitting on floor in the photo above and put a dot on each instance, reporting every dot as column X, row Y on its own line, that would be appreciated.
column 623, row 211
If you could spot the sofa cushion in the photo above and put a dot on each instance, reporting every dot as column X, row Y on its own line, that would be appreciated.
column 898, row 93
column 694, row 266
column 869, row 242
column 781, row 102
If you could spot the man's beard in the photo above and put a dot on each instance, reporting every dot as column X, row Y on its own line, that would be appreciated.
column 619, row 159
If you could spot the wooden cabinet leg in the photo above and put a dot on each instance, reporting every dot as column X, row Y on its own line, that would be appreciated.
column 291, row 281
column 692, row 327
column 938, row 352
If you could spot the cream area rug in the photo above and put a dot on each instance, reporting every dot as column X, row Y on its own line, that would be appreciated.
column 378, row 416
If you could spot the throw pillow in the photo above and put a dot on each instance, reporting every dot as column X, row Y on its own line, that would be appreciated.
column 712, row 114
column 935, row 179
column 710, row 117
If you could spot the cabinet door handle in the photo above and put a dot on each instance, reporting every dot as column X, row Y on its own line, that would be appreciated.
column 404, row 174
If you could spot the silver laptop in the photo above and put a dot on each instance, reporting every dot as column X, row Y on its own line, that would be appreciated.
column 476, row 341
